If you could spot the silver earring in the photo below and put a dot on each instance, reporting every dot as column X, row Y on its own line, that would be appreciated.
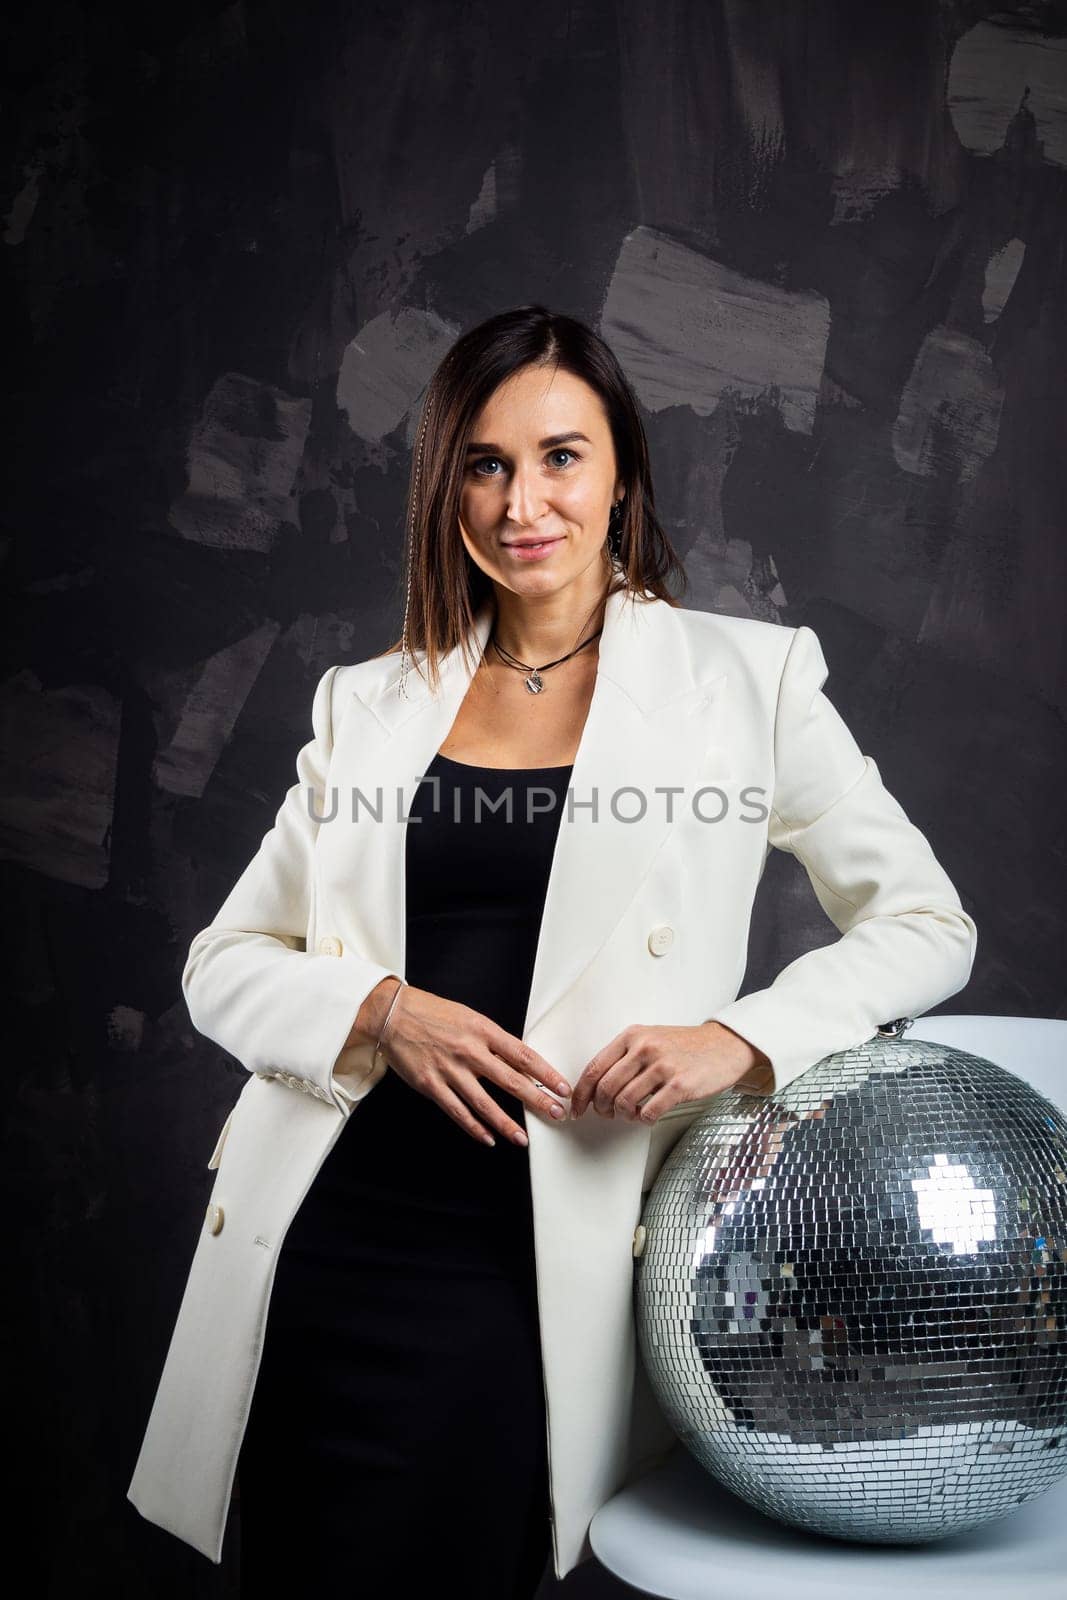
column 615, row 530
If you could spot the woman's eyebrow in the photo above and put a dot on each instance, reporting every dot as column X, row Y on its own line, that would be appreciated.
column 543, row 444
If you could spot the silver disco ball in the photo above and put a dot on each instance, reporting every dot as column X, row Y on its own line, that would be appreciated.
column 851, row 1301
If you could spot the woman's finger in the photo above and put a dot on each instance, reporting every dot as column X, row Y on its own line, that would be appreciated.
column 533, row 1095
column 632, row 1098
column 460, row 1112
column 615, row 1081
column 486, row 1107
column 651, row 1109
column 525, row 1060
column 597, row 1069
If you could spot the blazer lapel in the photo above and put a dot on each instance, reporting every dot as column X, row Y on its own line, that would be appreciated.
column 651, row 726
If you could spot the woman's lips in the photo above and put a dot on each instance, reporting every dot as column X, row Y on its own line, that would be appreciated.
column 532, row 552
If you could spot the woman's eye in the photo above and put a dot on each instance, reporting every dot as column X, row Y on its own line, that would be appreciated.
column 484, row 461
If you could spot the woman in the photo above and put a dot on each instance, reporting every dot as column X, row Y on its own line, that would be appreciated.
column 446, row 1382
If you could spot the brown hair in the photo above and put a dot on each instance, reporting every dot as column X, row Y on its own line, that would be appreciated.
column 444, row 586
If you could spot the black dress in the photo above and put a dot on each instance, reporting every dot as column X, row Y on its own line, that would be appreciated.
column 397, row 1432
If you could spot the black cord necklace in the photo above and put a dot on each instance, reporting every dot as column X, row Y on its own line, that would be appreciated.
column 534, row 681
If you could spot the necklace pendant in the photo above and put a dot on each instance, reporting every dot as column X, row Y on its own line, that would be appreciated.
column 535, row 683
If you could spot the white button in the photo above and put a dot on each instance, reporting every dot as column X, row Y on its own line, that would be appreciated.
column 215, row 1218
column 639, row 1238
column 661, row 939
column 329, row 946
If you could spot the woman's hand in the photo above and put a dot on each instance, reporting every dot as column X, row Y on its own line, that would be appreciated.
column 441, row 1049
column 645, row 1071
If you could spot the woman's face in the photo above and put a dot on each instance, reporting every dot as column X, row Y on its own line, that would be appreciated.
column 542, row 466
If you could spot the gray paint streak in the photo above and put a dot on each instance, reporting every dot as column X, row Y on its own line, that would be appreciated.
column 725, row 580
column 690, row 331
column 386, row 367
column 756, row 90
column 125, row 1028
column 1001, row 271
column 950, row 409
column 992, row 67
column 242, row 462
column 60, row 749
column 24, row 204
column 207, row 718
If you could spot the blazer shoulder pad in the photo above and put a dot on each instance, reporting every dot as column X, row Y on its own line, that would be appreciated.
column 363, row 677
column 753, row 642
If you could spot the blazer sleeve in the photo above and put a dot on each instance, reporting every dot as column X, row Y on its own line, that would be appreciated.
column 906, row 943
column 249, row 982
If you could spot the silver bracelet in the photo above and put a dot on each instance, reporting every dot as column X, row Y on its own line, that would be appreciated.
column 400, row 985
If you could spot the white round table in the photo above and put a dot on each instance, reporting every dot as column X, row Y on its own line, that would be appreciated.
column 678, row 1533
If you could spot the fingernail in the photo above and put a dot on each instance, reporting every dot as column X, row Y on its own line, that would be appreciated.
column 556, row 1111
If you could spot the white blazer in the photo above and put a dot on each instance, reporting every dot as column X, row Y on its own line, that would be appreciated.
column 646, row 920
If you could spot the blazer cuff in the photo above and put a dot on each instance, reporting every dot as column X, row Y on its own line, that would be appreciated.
column 792, row 1042
column 287, row 1013
column 328, row 998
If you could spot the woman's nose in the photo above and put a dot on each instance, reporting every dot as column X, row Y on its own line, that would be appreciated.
column 525, row 501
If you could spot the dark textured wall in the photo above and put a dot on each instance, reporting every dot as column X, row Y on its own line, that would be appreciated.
column 828, row 242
